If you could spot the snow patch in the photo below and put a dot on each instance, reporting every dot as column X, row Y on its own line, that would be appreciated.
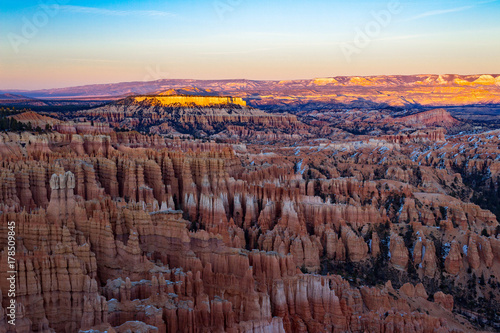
column 446, row 250
column 299, row 167
column 389, row 247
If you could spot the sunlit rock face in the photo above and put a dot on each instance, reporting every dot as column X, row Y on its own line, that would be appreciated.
column 325, row 231
column 190, row 100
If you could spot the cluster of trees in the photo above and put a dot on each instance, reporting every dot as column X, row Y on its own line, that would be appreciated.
column 5, row 112
column 486, row 189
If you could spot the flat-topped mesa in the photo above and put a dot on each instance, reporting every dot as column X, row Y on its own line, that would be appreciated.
column 186, row 101
column 222, row 117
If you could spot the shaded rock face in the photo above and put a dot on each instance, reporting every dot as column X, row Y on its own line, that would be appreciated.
column 423, row 135
column 437, row 117
column 398, row 252
column 128, row 232
column 62, row 202
column 446, row 301
column 453, row 263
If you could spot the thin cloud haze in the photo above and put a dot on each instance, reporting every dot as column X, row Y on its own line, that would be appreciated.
column 440, row 12
column 447, row 11
column 111, row 12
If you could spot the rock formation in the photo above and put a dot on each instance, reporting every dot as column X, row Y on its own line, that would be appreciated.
column 125, row 231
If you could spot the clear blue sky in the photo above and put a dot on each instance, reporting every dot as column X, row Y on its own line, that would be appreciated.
column 85, row 42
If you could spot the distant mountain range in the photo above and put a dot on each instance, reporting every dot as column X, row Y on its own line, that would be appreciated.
column 9, row 97
column 393, row 90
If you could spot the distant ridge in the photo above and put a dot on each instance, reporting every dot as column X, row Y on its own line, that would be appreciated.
column 12, row 97
column 187, row 91
column 388, row 90
column 215, row 86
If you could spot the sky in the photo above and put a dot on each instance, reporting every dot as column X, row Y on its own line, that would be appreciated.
column 62, row 43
